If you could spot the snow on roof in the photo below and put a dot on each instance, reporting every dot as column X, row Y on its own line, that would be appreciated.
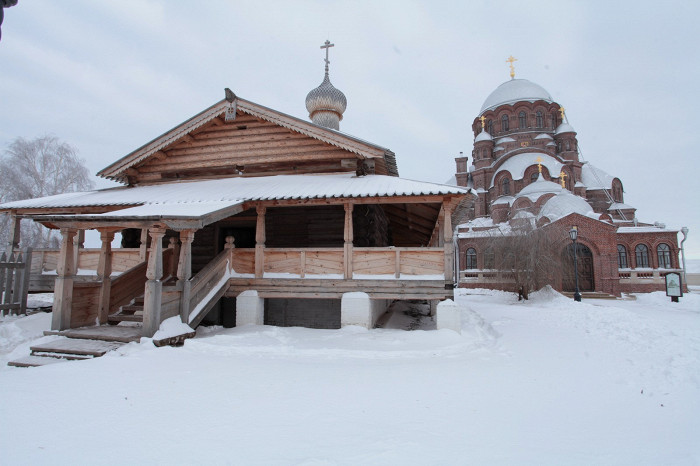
column 535, row 190
column 564, row 204
column 231, row 191
column 451, row 181
column 646, row 229
column 498, row 148
column 517, row 164
column 619, row 206
column 515, row 90
column 505, row 139
column 504, row 200
column 564, row 128
column 543, row 136
column 595, row 178
column 483, row 136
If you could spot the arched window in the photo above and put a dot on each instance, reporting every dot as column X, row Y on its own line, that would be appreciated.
column 506, row 186
column 471, row 258
column 504, row 123
column 534, row 176
column 554, row 121
column 663, row 252
column 522, row 120
column 641, row 254
column 568, row 145
column 538, row 120
column 489, row 259
column 621, row 257
column 489, row 126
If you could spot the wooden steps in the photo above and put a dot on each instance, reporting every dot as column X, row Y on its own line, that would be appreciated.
column 132, row 312
column 77, row 344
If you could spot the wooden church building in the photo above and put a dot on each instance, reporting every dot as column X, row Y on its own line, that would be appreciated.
column 253, row 216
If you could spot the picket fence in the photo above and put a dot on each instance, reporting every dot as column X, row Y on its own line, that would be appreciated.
column 14, row 281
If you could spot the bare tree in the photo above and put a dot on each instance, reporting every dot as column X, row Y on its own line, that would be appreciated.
column 36, row 168
column 525, row 256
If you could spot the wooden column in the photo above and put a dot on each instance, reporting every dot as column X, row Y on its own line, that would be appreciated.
column 153, row 289
column 184, row 273
column 104, row 271
column 63, row 289
column 174, row 257
column 348, row 237
column 78, row 244
column 15, row 230
column 260, row 243
column 448, row 246
column 143, row 248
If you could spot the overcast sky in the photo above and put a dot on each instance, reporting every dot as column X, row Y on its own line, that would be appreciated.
column 109, row 76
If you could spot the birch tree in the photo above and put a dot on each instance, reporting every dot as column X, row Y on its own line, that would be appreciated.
column 39, row 167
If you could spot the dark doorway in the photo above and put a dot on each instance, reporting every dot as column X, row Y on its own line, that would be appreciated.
column 585, row 269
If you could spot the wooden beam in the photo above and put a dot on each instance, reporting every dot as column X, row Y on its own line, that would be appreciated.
column 63, row 288
column 348, row 238
column 160, row 155
column 260, row 242
column 104, row 271
column 153, row 289
column 184, row 272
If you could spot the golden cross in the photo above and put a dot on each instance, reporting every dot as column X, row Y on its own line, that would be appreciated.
column 561, row 110
column 510, row 60
column 562, row 175
column 483, row 126
column 539, row 161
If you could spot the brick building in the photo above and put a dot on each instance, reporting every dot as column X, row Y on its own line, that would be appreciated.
column 528, row 176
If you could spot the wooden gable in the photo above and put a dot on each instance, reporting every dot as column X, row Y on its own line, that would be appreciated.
column 258, row 142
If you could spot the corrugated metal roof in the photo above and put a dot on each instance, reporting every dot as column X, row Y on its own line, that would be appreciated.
column 236, row 190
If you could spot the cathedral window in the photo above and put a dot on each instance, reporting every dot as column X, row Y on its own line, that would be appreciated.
column 504, row 123
column 554, row 121
column 489, row 259
column 568, row 145
column 522, row 120
column 663, row 252
column 506, row 187
column 621, row 257
column 533, row 177
column 489, row 127
column 641, row 254
column 471, row 258
column 538, row 120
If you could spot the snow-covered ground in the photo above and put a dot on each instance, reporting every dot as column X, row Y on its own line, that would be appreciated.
column 545, row 382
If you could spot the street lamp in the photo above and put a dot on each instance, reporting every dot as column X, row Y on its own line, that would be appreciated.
column 684, row 230
column 573, row 234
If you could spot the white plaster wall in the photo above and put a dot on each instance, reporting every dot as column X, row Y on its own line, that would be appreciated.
column 448, row 316
column 250, row 308
column 358, row 309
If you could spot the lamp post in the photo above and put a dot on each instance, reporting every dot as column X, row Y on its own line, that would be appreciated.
column 573, row 234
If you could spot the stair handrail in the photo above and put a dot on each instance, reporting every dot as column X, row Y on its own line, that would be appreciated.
column 214, row 276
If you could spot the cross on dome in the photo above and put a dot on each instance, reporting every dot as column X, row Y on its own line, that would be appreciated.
column 326, row 46
column 539, row 161
column 510, row 61
column 483, row 125
column 562, row 110
column 562, row 175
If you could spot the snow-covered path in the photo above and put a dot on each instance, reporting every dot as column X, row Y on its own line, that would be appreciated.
column 542, row 382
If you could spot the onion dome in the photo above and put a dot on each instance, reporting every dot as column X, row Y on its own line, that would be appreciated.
column 539, row 188
column 326, row 104
column 515, row 90
column 564, row 128
column 564, row 204
column 483, row 136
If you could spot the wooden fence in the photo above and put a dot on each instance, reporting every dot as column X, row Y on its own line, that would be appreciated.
column 14, row 281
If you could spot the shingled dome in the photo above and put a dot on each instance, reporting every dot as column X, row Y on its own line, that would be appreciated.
column 326, row 104
column 515, row 90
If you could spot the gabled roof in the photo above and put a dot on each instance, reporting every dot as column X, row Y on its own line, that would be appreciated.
column 341, row 140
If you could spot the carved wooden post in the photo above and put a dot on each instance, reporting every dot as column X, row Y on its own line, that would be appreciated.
column 15, row 230
column 78, row 244
column 63, row 289
column 153, row 289
column 174, row 257
column 348, row 237
column 448, row 246
column 260, row 243
column 143, row 247
column 184, row 273
column 104, row 271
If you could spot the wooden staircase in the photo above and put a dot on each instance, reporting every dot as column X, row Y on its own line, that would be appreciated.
column 132, row 312
column 78, row 344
